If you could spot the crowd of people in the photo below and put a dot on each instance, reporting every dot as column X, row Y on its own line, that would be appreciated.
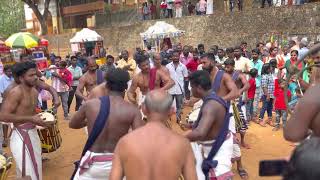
column 141, row 92
column 178, row 8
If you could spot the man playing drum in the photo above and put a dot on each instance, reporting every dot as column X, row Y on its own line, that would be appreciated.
column 211, row 131
column 138, row 156
column 90, row 79
column 147, row 80
column 97, row 160
column 19, row 108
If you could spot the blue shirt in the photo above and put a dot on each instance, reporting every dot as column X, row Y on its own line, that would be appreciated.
column 302, row 52
column 5, row 81
column 257, row 65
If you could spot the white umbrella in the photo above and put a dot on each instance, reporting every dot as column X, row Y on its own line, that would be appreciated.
column 161, row 30
column 86, row 35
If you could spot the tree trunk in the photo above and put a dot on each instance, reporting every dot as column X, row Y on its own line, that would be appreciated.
column 157, row 3
column 44, row 27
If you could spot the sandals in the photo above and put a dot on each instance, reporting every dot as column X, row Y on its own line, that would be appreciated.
column 243, row 174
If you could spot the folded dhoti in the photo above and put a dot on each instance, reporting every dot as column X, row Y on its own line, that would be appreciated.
column 223, row 169
column 94, row 166
column 140, row 101
column 26, row 150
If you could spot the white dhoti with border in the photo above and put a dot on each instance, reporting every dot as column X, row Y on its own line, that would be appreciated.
column 16, row 146
column 94, row 166
column 223, row 156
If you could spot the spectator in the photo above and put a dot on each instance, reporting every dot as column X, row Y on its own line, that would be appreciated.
column 102, row 52
column 209, row 9
column 267, row 84
column 153, row 10
column 61, row 82
column 201, row 49
column 163, row 7
column 170, row 8
column 186, row 56
column 240, row 7
column 280, row 104
column 76, row 75
column 245, row 52
column 109, row 65
column 229, row 52
column 192, row 66
column 202, row 7
column 165, row 55
column 179, row 73
column 145, row 11
column 242, row 64
column 251, row 92
column 303, row 48
column 257, row 64
column 178, row 6
column 264, row 1
column 289, row 65
column 231, row 5
column 198, row 8
column 191, row 8
column 220, row 58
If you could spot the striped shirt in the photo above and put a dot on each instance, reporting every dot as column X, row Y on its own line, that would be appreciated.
column 57, row 84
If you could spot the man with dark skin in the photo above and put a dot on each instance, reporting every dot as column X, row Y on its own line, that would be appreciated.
column 135, row 151
column 305, row 117
column 122, row 117
column 142, row 80
column 88, row 80
column 19, row 108
column 210, row 122
column 157, row 64
column 243, row 86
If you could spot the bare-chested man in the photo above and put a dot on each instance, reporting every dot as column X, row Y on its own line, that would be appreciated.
column 90, row 79
column 122, row 116
column 19, row 108
column 211, row 130
column 305, row 117
column 154, row 151
column 225, row 86
column 147, row 80
column 243, row 85
column 157, row 64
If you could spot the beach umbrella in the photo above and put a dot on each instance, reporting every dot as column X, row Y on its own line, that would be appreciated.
column 22, row 40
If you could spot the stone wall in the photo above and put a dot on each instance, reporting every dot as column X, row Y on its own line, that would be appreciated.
column 223, row 29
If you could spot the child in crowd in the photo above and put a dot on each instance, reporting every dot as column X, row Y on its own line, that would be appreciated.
column 267, row 84
column 251, row 92
column 280, row 104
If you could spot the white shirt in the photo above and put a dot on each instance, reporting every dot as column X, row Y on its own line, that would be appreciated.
column 242, row 64
column 177, row 74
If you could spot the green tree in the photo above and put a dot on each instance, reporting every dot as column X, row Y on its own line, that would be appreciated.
column 12, row 18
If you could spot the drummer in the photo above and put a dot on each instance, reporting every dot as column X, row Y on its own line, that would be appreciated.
column 147, row 80
column 123, row 117
column 19, row 108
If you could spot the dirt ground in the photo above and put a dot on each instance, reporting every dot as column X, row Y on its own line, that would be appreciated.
column 264, row 143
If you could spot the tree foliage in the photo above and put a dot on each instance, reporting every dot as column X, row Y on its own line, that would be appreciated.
column 12, row 17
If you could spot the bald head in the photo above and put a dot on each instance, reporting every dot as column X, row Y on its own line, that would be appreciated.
column 158, row 101
column 92, row 65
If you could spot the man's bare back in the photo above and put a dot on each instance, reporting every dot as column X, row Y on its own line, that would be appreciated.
column 98, row 91
column 155, row 152
column 122, row 117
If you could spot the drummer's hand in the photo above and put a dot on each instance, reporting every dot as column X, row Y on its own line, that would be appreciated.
column 49, row 123
column 38, row 120
column 185, row 126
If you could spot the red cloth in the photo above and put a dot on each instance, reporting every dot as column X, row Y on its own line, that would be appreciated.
column 280, row 103
column 152, row 78
column 192, row 65
column 66, row 75
column 153, row 9
column 252, row 88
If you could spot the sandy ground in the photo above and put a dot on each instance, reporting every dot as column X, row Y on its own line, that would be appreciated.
column 265, row 144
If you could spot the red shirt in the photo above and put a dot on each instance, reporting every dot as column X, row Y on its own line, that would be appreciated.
column 192, row 65
column 252, row 88
column 280, row 103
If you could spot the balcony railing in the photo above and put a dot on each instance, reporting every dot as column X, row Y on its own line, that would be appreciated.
column 84, row 8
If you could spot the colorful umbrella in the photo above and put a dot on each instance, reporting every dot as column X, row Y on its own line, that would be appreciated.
column 22, row 40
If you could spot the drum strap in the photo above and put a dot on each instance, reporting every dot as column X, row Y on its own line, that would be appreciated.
column 209, row 163
column 99, row 76
column 217, row 81
column 98, row 126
